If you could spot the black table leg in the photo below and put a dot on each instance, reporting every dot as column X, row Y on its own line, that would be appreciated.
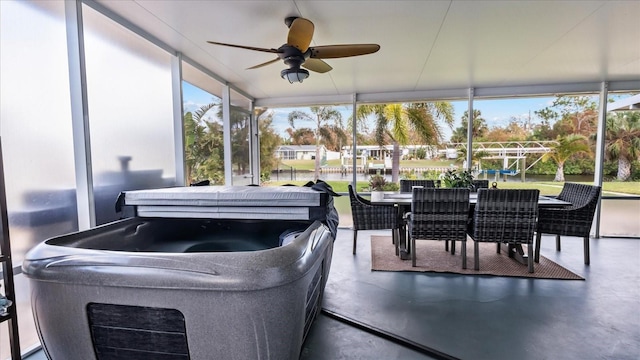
column 405, row 249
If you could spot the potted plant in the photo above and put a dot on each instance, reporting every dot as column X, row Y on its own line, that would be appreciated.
column 376, row 182
column 379, row 183
column 458, row 179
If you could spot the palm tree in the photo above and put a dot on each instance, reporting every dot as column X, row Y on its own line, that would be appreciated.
column 567, row 147
column 328, row 131
column 239, row 122
column 623, row 141
column 476, row 156
column 479, row 127
column 394, row 122
column 269, row 142
column 203, row 154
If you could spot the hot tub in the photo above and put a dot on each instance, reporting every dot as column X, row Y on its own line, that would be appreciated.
column 185, row 287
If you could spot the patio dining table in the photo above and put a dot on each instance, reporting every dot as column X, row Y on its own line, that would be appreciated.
column 403, row 202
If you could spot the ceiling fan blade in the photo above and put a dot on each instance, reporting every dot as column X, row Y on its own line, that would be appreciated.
column 264, row 64
column 339, row 51
column 300, row 34
column 317, row 65
column 245, row 47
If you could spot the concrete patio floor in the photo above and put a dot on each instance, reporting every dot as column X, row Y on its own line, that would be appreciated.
column 485, row 317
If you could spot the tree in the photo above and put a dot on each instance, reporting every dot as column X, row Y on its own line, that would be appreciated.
column 269, row 141
column 567, row 147
column 328, row 131
column 579, row 114
column 514, row 131
column 477, row 155
column 394, row 123
column 566, row 117
column 203, row 147
column 570, row 115
column 301, row 136
column 623, row 140
column 479, row 127
column 543, row 131
column 240, row 147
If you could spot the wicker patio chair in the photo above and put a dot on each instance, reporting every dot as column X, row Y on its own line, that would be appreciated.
column 480, row 184
column 439, row 214
column 505, row 216
column 574, row 220
column 406, row 185
column 367, row 216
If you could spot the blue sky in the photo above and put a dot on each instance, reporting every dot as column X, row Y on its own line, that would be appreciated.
column 495, row 112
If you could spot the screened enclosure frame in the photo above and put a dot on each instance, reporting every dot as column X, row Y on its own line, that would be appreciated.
column 469, row 94
column 80, row 113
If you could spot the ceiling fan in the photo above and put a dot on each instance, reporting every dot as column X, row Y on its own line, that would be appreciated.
column 297, row 52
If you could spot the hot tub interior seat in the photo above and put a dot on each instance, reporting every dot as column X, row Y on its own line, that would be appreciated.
column 185, row 235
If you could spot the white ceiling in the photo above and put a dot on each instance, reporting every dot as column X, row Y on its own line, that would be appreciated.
column 425, row 45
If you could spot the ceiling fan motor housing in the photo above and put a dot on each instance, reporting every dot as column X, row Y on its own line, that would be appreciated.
column 292, row 56
column 289, row 20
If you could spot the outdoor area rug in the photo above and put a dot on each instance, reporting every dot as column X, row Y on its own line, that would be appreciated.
column 431, row 257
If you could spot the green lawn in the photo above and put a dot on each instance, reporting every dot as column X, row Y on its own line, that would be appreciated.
column 546, row 188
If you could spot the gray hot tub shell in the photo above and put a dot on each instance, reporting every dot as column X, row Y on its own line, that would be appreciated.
column 180, row 288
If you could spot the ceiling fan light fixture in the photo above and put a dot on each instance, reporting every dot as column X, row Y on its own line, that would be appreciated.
column 294, row 75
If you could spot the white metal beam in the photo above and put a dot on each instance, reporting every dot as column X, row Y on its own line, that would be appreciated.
column 600, row 148
column 470, row 131
column 226, row 136
column 80, row 116
column 254, row 146
column 178, row 119
column 449, row 94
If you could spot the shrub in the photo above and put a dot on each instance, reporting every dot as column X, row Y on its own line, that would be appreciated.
column 390, row 186
column 456, row 179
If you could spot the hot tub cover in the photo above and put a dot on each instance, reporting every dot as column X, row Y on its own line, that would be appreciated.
column 222, row 196
column 313, row 201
